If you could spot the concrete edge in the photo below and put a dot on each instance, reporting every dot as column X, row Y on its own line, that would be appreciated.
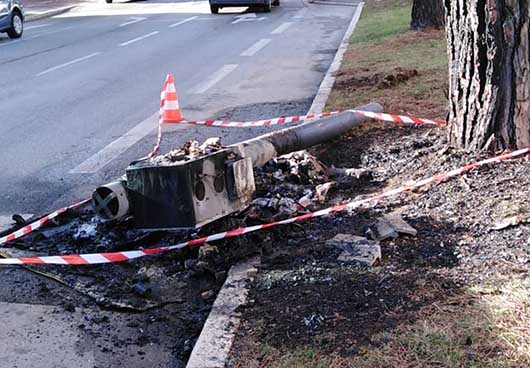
column 31, row 17
column 215, row 341
column 329, row 80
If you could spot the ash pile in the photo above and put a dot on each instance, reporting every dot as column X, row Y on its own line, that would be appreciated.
column 190, row 150
column 298, row 183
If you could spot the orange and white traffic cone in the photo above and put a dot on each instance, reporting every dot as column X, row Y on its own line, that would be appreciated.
column 169, row 111
column 169, row 104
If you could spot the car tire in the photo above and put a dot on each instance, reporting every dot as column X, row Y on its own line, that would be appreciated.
column 214, row 9
column 276, row 3
column 267, row 6
column 17, row 25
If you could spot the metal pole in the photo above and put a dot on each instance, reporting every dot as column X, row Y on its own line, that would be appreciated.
column 268, row 146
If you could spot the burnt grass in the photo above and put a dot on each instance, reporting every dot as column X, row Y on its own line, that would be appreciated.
column 303, row 298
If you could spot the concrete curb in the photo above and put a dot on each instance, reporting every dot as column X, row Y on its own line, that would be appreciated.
column 329, row 80
column 31, row 17
column 213, row 346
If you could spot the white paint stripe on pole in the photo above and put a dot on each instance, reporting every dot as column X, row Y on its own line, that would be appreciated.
column 138, row 39
column 183, row 21
column 116, row 148
column 254, row 49
column 282, row 28
column 215, row 78
column 78, row 60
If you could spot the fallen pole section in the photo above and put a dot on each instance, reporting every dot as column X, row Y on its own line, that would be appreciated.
column 264, row 148
column 194, row 190
column 98, row 258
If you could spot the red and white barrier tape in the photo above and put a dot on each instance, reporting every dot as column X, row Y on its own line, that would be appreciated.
column 236, row 124
column 400, row 119
column 155, row 149
column 97, row 258
column 260, row 123
column 37, row 224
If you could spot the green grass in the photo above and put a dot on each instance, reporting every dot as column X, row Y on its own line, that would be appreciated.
column 377, row 25
column 382, row 44
column 495, row 320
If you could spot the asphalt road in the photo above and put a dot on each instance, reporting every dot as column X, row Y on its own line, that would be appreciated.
column 79, row 96
column 77, row 83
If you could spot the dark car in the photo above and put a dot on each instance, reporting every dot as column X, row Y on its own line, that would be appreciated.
column 11, row 18
column 265, row 5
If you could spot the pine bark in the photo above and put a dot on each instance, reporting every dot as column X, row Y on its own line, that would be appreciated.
column 427, row 14
column 489, row 89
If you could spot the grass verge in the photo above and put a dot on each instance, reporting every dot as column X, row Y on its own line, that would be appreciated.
column 381, row 22
column 483, row 328
column 404, row 70
column 488, row 327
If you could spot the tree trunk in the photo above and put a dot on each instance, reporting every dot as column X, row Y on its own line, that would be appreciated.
column 489, row 89
column 427, row 14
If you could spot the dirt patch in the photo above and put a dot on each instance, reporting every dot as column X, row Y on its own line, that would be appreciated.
column 378, row 80
column 364, row 304
column 406, row 73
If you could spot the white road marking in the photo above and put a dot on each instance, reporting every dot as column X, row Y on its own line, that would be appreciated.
column 215, row 78
column 36, row 26
column 183, row 21
column 138, row 38
column 300, row 14
column 33, row 37
column 122, row 144
column 69, row 63
column 50, row 32
column 10, row 42
column 252, row 50
column 134, row 20
column 248, row 17
column 282, row 28
column 116, row 148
